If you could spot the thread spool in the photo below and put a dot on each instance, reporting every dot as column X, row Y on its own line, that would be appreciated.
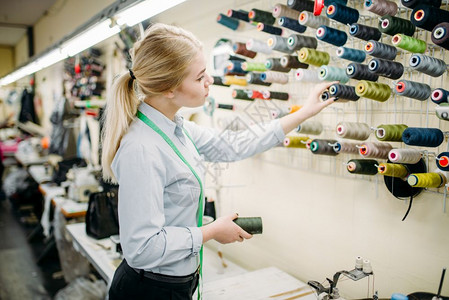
column 313, row 57
column 238, row 14
column 274, row 64
column 440, row 35
column 404, row 156
column 362, row 166
column 439, row 96
column 231, row 23
column 279, row 113
column 279, row 43
column 291, row 24
column 367, row 269
column 359, row 263
column 426, row 137
column 254, row 78
column 252, row 225
column 225, row 106
column 296, row 42
column 294, row 108
column 254, row 94
column 434, row 67
column 381, row 7
column 275, row 95
column 364, row 32
column 442, row 161
column 342, row 13
column 373, row 90
column 329, row 2
column 353, row 130
column 280, row 10
column 262, row 16
column 234, row 67
column 390, row 132
column 325, row 96
column 269, row 29
column 307, row 75
column 331, row 35
column 409, row 43
column 345, row 92
column 241, row 95
column 360, row 72
column 240, row 48
column 414, row 3
column 308, row 19
column 393, row 170
column 386, row 68
column 274, row 77
column 351, row 54
column 310, row 127
column 426, row 180
column 290, row 61
column 411, row 89
column 329, row 73
column 346, row 147
column 380, row 50
column 427, row 17
column 258, row 46
column 375, row 150
column 442, row 111
column 322, row 147
column 393, row 25
column 295, row 142
column 301, row 5
column 254, row 66
column 219, row 81
column 229, row 80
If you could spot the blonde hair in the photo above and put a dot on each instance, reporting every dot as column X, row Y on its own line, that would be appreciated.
column 160, row 62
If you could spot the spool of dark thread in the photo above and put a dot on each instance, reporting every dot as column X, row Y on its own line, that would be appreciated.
column 380, row 50
column 427, row 17
column 392, row 25
column 231, row 23
column 329, row 2
column 443, row 161
column 269, row 29
column 414, row 90
column 331, row 35
column 225, row 106
column 291, row 24
column 386, row 68
column 235, row 67
column 301, row 5
column 262, row 16
column 425, row 137
column 209, row 209
column 362, row 166
column 240, row 48
column 342, row 13
column 439, row 96
column 440, row 35
column 219, row 81
column 276, row 95
column 254, row 78
column 360, row 72
column 344, row 92
column 414, row 3
column 321, row 147
column 291, row 61
column 252, row 225
column 428, row 65
column 238, row 14
column 296, row 42
column 364, row 32
column 274, row 64
column 324, row 96
column 351, row 54
column 241, row 95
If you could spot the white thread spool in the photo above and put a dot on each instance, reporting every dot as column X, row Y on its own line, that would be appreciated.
column 279, row 113
column 279, row 43
column 258, row 46
column 359, row 263
column 307, row 75
column 353, row 130
column 275, row 77
column 404, row 156
column 367, row 268
column 310, row 127
column 308, row 19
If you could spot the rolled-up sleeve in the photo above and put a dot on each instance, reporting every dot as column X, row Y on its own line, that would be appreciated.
column 229, row 145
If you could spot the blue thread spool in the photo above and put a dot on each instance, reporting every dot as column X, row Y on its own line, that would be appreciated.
column 235, row 67
column 342, row 13
column 332, row 36
column 329, row 2
column 228, row 22
column 291, row 24
column 269, row 29
column 426, row 137
column 439, row 96
column 351, row 54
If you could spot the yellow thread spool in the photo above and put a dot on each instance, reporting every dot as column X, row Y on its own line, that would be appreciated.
column 392, row 170
column 294, row 108
column 313, row 57
column 373, row 90
column 426, row 180
column 296, row 141
column 228, row 80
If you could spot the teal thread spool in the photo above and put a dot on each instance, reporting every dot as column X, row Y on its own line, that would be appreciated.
column 409, row 43
column 390, row 132
column 228, row 22
column 329, row 73
column 252, row 225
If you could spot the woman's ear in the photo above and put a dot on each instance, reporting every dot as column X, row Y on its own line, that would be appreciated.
column 169, row 94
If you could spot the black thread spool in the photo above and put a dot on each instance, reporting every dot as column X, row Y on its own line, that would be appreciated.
column 276, row 95
column 254, row 78
column 342, row 13
column 362, row 166
column 269, row 29
column 440, row 35
column 386, row 68
column 380, row 50
column 238, row 14
column 393, row 25
column 296, row 42
column 414, row 3
column 325, row 96
column 291, row 24
column 291, row 61
column 331, row 35
column 219, row 81
column 344, row 92
column 321, row 147
column 360, row 72
column 257, row 15
column 427, row 17
column 301, row 5
column 364, row 32
column 225, row 106
column 274, row 64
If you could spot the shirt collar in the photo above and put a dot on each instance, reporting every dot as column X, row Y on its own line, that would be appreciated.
column 164, row 123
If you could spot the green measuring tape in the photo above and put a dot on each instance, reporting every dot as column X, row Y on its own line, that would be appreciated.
column 153, row 126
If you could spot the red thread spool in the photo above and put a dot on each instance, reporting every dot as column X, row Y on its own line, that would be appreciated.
column 318, row 7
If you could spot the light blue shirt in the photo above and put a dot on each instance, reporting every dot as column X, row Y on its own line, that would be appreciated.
column 158, row 194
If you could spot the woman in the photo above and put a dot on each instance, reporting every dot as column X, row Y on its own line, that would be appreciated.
column 156, row 158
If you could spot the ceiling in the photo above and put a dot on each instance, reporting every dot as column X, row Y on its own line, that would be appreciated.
column 17, row 15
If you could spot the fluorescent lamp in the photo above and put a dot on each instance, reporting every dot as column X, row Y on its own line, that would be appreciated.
column 144, row 10
column 51, row 58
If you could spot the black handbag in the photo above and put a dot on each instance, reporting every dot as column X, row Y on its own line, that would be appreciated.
column 102, row 215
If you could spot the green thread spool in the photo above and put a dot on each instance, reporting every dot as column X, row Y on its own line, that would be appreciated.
column 329, row 73
column 393, row 170
column 254, row 66
column 257, row 15
column 391, row 132
column 252, row 225
column 426, row 180
column 296, row 141
column 409, row 43
column 373, row 90
column 362, row 166
column 313, row 57
column 241, row 95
